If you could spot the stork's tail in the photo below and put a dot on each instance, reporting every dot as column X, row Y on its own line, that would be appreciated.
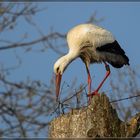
column 116, row 55
column 119, row 64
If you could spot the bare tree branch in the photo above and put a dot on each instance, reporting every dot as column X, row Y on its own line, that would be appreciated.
column 27, row 44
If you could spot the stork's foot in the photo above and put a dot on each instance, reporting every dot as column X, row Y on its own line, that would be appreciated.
column 91, row 96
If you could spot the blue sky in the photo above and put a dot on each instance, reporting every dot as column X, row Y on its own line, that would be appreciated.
column 122, row 19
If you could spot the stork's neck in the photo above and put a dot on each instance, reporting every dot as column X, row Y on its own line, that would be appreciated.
column 70, row 56
column 67, row 59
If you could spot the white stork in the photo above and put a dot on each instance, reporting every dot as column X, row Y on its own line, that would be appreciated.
column 92, row 44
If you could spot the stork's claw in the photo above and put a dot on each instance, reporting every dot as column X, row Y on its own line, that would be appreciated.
column 93, row 94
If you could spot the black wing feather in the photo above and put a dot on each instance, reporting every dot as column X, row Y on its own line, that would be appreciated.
column 114, row 48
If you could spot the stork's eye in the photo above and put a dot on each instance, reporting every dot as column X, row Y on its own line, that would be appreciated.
column 57, row 70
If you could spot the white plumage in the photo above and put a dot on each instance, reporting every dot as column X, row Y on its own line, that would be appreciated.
column 92, row 44
column 88, row 33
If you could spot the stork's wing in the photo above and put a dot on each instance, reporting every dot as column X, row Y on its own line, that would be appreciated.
column 113, row 47
column 99, row 36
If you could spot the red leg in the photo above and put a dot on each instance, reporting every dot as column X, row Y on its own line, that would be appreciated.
column 89, row 86
column 106, row 76
column 89, row 81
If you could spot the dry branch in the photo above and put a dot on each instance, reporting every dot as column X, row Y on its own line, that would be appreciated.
column 99, row 119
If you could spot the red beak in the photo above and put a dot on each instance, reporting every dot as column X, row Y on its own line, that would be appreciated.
column 57, row 84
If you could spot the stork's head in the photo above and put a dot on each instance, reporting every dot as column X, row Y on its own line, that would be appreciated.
column 59, row 67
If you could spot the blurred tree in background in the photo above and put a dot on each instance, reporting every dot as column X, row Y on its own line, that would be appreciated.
column 27, row 107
